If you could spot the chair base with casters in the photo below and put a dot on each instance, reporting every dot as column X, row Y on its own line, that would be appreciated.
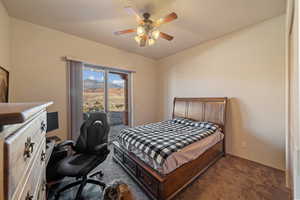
column 79, row 166
column 84, row 180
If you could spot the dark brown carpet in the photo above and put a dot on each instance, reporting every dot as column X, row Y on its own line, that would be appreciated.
column 233, row 178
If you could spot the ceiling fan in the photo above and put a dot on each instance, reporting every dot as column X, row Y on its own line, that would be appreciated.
column 147, row 29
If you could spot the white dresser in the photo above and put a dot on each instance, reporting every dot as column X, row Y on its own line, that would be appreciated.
column 23, row 151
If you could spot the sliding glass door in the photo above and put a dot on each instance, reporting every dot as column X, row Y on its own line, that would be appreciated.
column 118, row 97
column 106, row 90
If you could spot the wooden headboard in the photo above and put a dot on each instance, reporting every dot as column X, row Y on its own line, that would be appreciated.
column 201, row 109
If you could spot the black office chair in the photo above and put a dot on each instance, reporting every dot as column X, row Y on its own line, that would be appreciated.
column 90, row 150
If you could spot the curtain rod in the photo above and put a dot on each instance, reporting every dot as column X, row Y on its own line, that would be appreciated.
column 68, row 58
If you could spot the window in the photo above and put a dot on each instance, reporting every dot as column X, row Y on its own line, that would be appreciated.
column 93, row 89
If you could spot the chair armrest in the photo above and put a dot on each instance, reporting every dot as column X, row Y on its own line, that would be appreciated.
column 101, row 148
column 66, row 143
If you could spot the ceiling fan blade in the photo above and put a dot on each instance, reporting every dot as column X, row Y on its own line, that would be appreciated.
column 166, row 36
column 166, row 19
column 134, row 12
column 125, row 31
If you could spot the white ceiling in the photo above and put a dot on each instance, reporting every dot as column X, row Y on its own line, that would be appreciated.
column 198, row 20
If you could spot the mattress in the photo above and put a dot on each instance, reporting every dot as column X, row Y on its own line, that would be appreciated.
column 190, row 152
column 179, row 156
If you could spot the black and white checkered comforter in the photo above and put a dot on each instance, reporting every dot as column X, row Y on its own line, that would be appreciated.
column 159, row 140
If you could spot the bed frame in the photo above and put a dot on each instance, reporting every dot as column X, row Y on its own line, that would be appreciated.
column 165, row 187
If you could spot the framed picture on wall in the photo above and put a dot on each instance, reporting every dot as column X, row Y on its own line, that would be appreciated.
column 4, row 80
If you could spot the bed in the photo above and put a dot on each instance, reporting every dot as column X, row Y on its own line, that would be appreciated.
column 180, row 167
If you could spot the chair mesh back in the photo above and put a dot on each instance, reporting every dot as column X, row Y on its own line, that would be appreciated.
column 94, row 131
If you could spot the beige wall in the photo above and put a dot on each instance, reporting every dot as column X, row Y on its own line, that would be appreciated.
column 39, row 73
column 4, row 38
column 293, row 139
column 248, row 67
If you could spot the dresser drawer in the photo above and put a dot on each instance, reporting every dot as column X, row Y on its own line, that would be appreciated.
column 31, row 185
column 21, row 149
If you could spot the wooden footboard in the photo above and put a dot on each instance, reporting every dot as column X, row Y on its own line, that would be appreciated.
column 164, row 187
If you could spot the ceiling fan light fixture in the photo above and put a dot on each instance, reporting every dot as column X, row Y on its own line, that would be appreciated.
column 140, row 30
column 151, row 41
column 160, row 21
column 137, row 39
column 155, row 34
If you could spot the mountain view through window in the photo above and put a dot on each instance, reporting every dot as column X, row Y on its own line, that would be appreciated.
column 94, row 91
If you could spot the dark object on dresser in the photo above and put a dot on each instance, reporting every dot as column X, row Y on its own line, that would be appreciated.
column 165, row 187
column 55, row 154
column 52, row 121
column 90, row 150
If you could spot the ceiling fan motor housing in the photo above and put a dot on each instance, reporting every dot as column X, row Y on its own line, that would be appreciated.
column 146, row 15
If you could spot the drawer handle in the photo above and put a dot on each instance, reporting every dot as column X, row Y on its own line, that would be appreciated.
column 28, row 196
column 43, row 126
column 43, row 156
column 28, row 148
